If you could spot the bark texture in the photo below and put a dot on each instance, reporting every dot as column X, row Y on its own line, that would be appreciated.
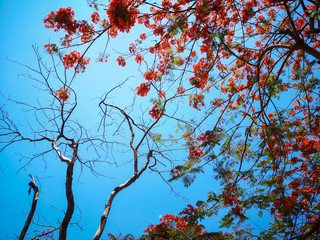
column 70, row 199
column 69, row 194
column 122, row 186
column 34, row 186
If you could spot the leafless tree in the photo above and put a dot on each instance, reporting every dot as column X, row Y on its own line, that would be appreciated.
column 67, row 138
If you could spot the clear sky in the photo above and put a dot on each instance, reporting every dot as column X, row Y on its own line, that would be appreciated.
column 134, row 208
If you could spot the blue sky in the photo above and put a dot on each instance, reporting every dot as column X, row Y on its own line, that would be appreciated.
column 134, row 208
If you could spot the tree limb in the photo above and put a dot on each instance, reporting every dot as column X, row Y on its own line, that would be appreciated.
column 70, row 199
column 34, row 186
column 315, row 226
column 120, row 187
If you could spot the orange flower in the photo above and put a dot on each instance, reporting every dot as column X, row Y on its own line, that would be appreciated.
column 95, row 17
column 122, row 15
column 181, row 90
column 51, row 48
column 121, row 61
column 74, row 59
column 143, row 89
column 139, row 58
column 63, row 94
column 156, row 112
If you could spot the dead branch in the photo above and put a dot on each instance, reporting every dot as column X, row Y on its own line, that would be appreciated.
column 119, row 188
column 34, row 186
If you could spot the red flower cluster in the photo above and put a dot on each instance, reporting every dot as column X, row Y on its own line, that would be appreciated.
column 198, row 82
column 195, row 100
column 162, row 94
column 175, row 173
column 156, row 112
column 95, row 17
column 75, row 60
column 230, row 196
column 181, row 90
column 195, row 153
column 103, row 59
column 133, row 48
column 143, row 36
column 62, row 19
column 86, row 31
column 63, row 94
column 309, row 146
column 139, row 58
column 151, row 75
column 113, row 32
column 122, row 15
column 183, row 226
column 121, row 61
column 51, row 48
column 143, row 89
column 201, row 71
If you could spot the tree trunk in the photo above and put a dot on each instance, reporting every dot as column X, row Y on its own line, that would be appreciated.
column 34, row 186
column 107, row 208
column 70, row 209
column 122, row 186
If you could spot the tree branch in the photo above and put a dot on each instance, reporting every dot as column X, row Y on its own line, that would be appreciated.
column 69, row 194
column 120, row 187
column 34, row 186
column 315, row 226
column 60, row 155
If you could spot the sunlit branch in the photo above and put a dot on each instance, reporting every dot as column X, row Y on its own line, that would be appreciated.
column 119, row 188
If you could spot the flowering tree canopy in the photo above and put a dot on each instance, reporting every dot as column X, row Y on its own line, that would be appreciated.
column 251, row 70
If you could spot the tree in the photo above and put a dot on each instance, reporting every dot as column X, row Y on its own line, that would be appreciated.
column 64, row 136
column 251, row 70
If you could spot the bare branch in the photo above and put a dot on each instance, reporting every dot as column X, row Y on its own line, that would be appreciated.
column 122, row 186
column 69, row 195
column 34, row 186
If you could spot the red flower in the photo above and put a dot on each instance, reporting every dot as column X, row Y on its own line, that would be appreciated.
column 198, row 82
column 74, row 59
column 143, row 36
column 162, row 94
column 181, row 90
column 121, row 61
column 122, row 15
column 270, row 115
column 95, row 17
column 156, row 112
column 139, row 58
column 143, row 89
column 63, row 94
column 62, row 19
column 151, row 75
column 51, row 48
column 195, row 100
column 195, row 153
column 133, row 48
column 113, row 32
